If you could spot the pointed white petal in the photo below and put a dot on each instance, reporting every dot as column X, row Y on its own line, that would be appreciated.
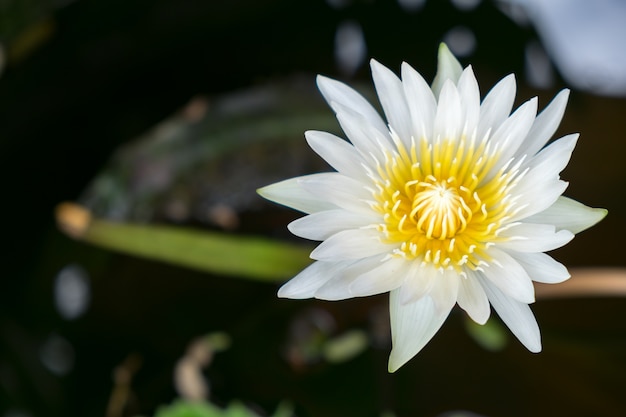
column 323, row 224
column 445, row 290
column 512, row 132
column 449, row 118
column 383, row 278
column 554, row 158
column 448, row 68
column 545, row 124
column 421, row 103
column 419, row 280
column 308, row 280
column 516, row 315
column 542, row 267
column 472, row 298
column 291, row 194
column 339, row 154
column 470, row 99
column 339, row 190
column 540, row 186
column 336, row 92
column 496, row 106
column 533, row 237
column 509, row 276
column 338, row 286
column 365, row 138
column 391, row 97
column 350, row 244
column 412, row 326
column 568, row 214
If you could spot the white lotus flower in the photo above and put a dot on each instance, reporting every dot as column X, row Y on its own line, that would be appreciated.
column 452, row 201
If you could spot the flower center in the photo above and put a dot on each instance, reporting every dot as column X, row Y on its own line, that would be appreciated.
column 438, row 210
column 443, row 203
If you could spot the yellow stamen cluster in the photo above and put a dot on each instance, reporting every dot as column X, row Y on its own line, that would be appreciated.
column 444, row 203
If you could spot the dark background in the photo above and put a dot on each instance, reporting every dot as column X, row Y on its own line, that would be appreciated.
column 81, row 79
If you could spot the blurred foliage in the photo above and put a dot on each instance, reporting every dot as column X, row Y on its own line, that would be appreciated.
column 219, row 253
column 182, row 408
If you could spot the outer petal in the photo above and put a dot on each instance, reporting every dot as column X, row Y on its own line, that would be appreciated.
column 418, row 283
column 366, row 138
column 412, row 326
column 542, row 267
column 350, row 244
column 545, row 125
column 473, row 299
column 568, row 214
column 516, row 315
column 449, row 119
column 444, row 291
column 338, row 287
column 291, row 194
column 391, row 96
column 421, row 103
column 323, row 224
column 512, row 132
column 337, row 93
column 383, row 278
column 470, row 100
column 532, row 237
column 309, row 280
column 448, row 68
column 509, row 276
column 496, row 106
column 339, row 154
column 539, row 188
column 339, row 190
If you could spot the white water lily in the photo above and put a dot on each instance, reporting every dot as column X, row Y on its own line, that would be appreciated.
column 452, row 201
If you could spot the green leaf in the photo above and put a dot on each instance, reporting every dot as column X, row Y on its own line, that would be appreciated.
column 215, row 252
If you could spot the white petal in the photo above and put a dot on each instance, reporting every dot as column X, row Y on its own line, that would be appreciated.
column 542, row 267
column 554, row 158
column 338, row 286
column 449, row 118
column 472, row 298
column 391, row 97
column 419, row 280
column 470, row 99
column 339, row 154
column 291, row 194
column 412, row 326
column 545, row 124
column 512, row 132
column 540, row 186
column 448, row 68
column 323, row 224
column 421, row 103
column 568, row 214
column 445, row 290
column 339, row 190
column 509, row 276
column 308, row 280
column 496, row 106
column 365, row 138
column 383, row 278
column 350, row 244
column 516, row 315
column 337, row 93
column 533, row 237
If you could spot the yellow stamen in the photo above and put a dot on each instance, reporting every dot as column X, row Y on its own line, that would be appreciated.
column 441, row 203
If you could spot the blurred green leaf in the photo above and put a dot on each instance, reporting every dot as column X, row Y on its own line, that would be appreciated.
column 182, row 408
column 216, row 252
column 491, row 335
